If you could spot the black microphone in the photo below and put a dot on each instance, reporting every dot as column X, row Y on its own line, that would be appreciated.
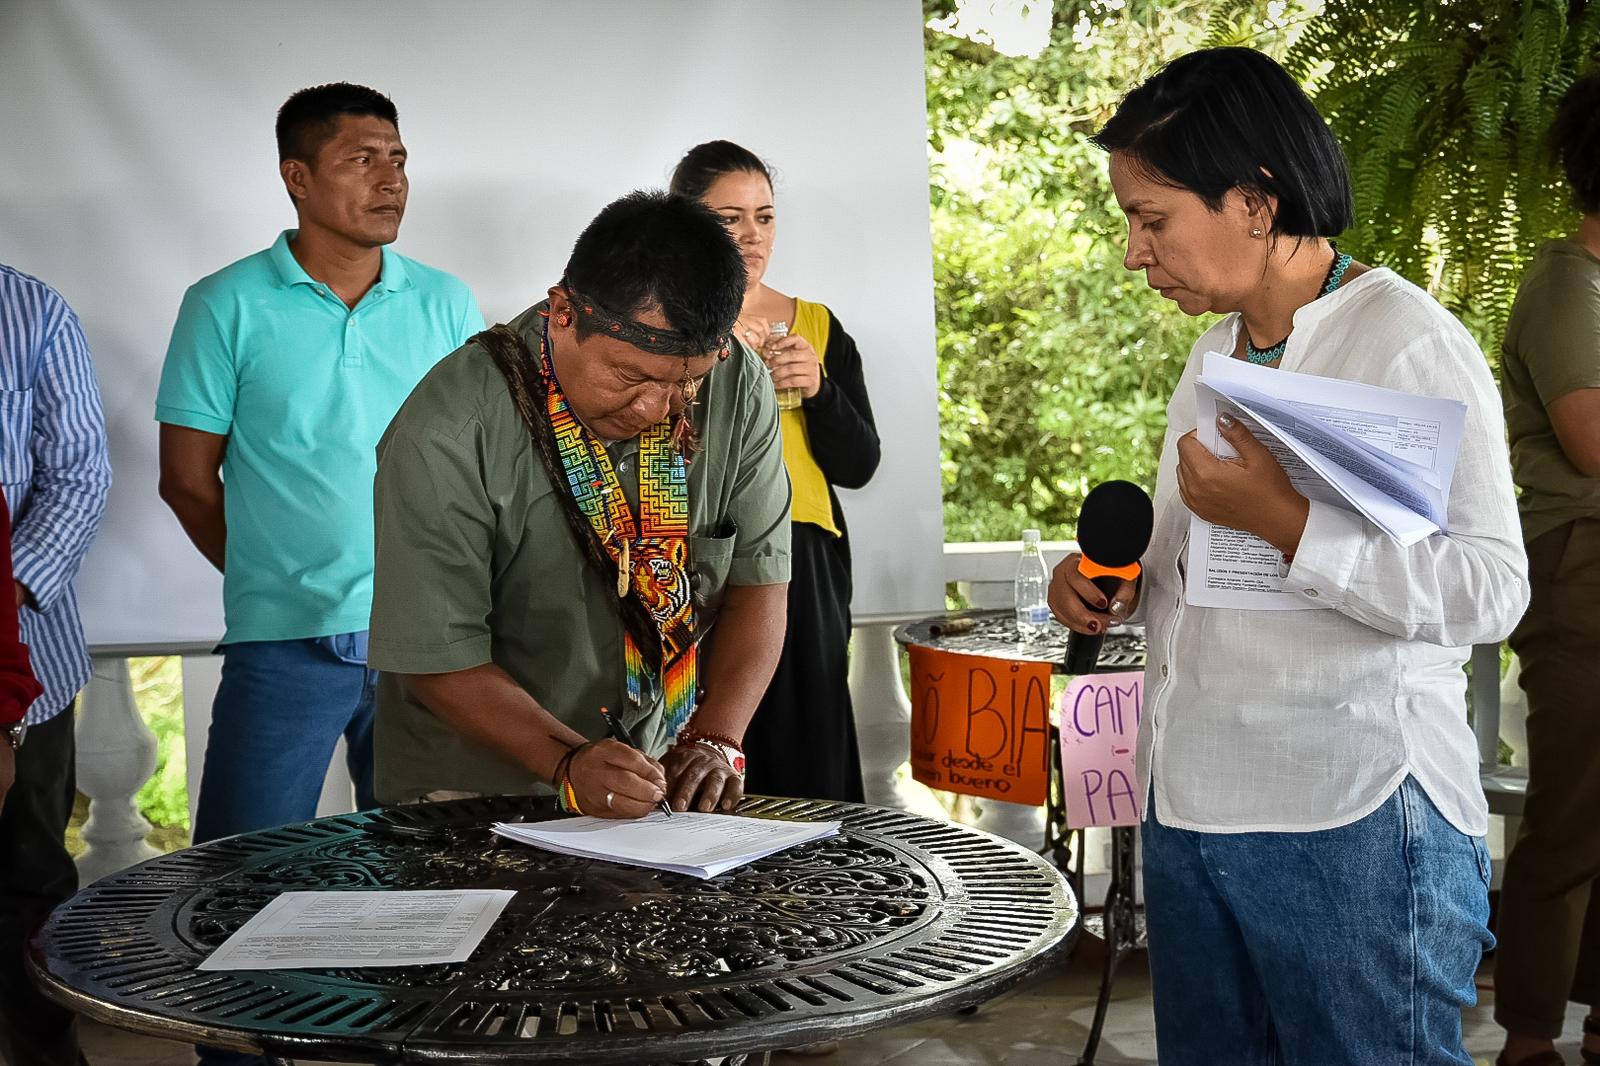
column 1114, row 526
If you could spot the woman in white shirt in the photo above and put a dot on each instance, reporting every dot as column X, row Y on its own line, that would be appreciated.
column 1316, row 880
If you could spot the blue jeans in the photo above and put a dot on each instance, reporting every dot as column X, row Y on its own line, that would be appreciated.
column 1356, row 945
column 281, row 708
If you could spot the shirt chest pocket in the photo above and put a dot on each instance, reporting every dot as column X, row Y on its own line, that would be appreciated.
column 710, row 559
column 16, row 433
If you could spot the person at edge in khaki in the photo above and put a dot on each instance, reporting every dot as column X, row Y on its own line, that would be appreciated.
column 1549, row 922
column 566, row 507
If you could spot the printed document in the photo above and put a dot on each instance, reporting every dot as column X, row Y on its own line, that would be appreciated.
column 1385, row 454
column 380, row 928
column 689, row 842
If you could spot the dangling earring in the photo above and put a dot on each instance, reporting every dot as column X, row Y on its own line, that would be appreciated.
column 564, row 319
column 689, row 387
column 684, row 436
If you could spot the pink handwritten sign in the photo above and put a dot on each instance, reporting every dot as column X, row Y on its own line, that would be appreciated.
column 1099, row 730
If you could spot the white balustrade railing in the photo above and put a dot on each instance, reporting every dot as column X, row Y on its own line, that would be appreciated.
column 116, row 756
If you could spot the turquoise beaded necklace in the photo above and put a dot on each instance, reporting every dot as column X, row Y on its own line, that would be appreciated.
column 1259, row 356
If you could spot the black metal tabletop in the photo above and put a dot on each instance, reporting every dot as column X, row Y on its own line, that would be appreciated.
column 993, row 633
column 897, row 918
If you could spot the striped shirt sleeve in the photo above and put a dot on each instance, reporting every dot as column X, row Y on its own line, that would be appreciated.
column 71, row 466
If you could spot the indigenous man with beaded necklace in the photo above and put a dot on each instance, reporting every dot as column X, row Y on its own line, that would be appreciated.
column 565, row 506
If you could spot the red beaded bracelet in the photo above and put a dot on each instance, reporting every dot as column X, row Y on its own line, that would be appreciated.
column 719, row 738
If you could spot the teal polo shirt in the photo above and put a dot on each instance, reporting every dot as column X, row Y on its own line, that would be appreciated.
column 303, row 386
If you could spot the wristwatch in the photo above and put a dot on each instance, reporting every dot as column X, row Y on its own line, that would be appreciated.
column 15, row 732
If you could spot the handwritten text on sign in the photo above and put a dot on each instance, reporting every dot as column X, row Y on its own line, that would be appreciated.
column 980, row 725
column 1099, row 730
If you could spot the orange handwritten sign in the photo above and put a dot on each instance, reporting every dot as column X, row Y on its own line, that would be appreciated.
column 980, row 725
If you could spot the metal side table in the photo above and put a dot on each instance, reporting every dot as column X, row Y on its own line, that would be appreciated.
column 994, row 633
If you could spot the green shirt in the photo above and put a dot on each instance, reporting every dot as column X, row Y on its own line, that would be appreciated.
column 1552, row 347
column 476, row 561
column 302, row 386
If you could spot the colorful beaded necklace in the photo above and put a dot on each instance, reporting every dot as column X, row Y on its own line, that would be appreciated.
column 651, row 553
column 1341, row 263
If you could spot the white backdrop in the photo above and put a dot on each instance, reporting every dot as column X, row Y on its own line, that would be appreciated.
column 137, row 155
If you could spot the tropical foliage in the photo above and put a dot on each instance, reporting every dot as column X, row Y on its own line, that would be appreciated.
column 1443, row 109
column 1055, row 364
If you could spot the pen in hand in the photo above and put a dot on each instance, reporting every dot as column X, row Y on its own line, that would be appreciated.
column 620, row 732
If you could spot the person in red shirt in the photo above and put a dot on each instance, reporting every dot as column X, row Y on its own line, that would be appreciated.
column 18, row 687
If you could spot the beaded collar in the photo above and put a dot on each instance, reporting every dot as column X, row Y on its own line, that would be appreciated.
column 1259, row 356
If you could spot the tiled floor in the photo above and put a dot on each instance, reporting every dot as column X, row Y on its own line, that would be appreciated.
column 1040, row 1024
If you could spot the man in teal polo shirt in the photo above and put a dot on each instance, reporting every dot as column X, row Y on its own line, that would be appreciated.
column 283, row 371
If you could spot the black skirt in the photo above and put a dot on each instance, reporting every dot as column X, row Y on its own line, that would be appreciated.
column 802, row 740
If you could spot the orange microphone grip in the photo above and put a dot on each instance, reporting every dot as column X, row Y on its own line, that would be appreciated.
column 1091, row 569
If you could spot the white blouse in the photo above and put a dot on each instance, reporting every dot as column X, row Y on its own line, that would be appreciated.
column 1306, row 720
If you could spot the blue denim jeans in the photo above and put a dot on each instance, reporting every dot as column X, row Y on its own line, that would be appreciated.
column 281, row 708
column 1356, row 945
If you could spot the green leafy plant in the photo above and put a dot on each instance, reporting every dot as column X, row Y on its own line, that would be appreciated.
column 1055, row 362
column 158, row 690
column 1443, row 107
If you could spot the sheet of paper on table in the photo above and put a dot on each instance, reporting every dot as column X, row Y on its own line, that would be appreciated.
column 1387, row 455
column 700, row 845
column 338, row 929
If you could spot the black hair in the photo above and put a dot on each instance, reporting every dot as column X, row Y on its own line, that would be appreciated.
column 1575, row 139
column 1230, row 118
column 651, row 250
column 703, row 164
column 309, row 118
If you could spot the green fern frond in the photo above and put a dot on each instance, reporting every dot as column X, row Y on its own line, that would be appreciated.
column 1442, row 107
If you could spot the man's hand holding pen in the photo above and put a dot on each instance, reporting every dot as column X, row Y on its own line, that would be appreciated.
column 608, row 779
column 613, row 778
column 620, row 733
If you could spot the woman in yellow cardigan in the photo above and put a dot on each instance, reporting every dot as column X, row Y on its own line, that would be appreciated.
column 802, row 741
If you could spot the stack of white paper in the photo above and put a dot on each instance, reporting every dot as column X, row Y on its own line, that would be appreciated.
column 1385, row 454
column 362, row 928
column 700, row 845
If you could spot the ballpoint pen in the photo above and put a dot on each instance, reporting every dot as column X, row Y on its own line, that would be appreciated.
column 620, row 732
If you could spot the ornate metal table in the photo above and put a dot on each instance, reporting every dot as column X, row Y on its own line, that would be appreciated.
column 897, row 918
column 994, row 633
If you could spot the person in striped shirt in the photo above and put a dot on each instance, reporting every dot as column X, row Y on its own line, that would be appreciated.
column 54, row 474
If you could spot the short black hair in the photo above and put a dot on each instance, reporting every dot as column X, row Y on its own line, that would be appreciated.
column 703, row 164
column 1575, row 138
column 1231, row 118
column 309, row 118
column 651, row 250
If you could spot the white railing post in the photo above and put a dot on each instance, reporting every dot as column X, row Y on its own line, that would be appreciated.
column 116, row 756
column 883, row 713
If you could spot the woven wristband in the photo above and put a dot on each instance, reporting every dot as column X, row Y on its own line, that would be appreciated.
column 730, row 753
column 568, row 798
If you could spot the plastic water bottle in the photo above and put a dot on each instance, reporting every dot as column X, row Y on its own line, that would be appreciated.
column 1033, row 585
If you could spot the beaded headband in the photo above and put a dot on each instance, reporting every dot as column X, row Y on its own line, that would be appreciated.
column 653, row 339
